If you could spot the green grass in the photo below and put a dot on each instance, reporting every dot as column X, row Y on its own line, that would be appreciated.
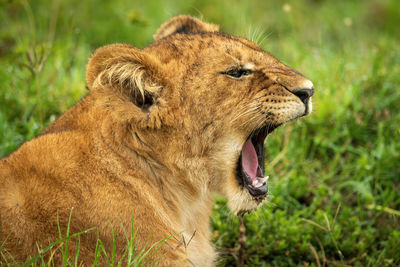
column 132, row 256
column 335, row 176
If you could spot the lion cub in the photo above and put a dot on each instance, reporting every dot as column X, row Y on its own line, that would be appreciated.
column 162, row 129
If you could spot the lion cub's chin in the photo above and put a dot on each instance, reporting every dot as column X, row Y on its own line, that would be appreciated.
column 242, row 201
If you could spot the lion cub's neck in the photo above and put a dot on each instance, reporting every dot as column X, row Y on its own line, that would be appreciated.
column 157, row 159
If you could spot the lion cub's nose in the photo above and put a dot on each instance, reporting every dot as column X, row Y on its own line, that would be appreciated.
column 305, row 91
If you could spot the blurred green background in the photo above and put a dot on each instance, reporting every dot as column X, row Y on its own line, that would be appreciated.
column 335, row 176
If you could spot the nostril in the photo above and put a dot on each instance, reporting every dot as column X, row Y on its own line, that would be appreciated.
column 304, row 94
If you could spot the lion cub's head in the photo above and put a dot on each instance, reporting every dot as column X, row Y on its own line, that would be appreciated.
column 200, row 103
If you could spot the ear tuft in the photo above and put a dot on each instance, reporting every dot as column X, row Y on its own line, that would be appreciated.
column 184, row 24
column 98, row 61
column 127, row 71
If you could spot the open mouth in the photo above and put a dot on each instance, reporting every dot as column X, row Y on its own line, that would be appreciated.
column 250, row 167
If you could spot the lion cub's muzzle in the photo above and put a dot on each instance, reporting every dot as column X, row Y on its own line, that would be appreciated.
column 250, row 167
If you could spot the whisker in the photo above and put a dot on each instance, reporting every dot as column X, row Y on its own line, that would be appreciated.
column 257, row 121
column 264, row 38
column 244, row 113
column 251, row 112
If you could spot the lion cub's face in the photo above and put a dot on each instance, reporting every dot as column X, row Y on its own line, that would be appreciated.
column 216, row 95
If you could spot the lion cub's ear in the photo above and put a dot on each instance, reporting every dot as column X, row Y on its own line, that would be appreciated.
column 184, row 24
column 124, row 70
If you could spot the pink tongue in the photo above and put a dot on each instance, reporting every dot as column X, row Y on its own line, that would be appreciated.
column 249, row 159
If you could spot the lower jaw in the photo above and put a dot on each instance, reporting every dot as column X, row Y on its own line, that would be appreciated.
column 257, row 197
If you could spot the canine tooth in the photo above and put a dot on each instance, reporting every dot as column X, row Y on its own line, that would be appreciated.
column 255, row 182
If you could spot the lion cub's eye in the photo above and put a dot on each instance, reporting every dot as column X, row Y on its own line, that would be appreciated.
column 237, row 73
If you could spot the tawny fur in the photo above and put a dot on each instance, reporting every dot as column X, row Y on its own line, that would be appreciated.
column 160, row 132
